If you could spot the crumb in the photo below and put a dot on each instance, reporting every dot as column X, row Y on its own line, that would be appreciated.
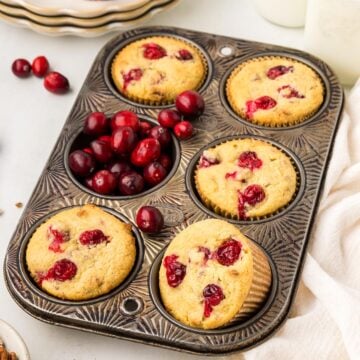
column 19, row 205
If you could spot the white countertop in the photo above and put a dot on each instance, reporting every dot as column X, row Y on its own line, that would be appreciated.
column 30, row 122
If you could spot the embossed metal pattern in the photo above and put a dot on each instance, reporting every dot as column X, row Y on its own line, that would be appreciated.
column 284, row 237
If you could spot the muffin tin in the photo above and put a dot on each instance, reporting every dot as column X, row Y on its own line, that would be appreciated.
column 134, row 310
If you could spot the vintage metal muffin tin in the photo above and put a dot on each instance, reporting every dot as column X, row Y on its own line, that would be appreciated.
column 134, row 310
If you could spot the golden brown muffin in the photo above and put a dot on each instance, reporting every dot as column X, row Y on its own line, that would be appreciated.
column 274, row 91
column 208, row 275
column 245, row 178
column 156, row 69
column 81, row 253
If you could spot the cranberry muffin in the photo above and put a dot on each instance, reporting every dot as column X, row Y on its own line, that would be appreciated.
column 211, row 275
column 156, row 69
column 245, row 178
column 81, row 253
column 274, row 91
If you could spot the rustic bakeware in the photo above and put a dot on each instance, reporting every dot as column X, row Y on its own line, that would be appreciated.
column 135, row 311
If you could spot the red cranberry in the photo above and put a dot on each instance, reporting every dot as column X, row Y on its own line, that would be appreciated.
column 102, row 151
column 149, row 219
column 105, row 138
column 96, row 124
column 228, row 252
column 206, row 161
column 93, row 237
column 175, row 270
column 104, row 182
column 263, row 103
column 131, row 183
column 145, row 152
column 169, row 118
column 89, row 182
column 88, row 151
column 279, row 70
column 162, row 135
column 132, row 75
column 254, row 194
column 249, row 160
column 183, row 130
column 145, row 128
column 123, row 140
column 81, row 163
column 21, row 68
column 118, row 168
column 56, row 83
column 154, row 173
column 190, row 103
column 57, row 238
column 125, row 118
column 213, row 295
column 40, row 66
column 153, row 51
column 184, row 54
column 62, row 270
column 288, row 92
column 231, row 175
column 165, row 161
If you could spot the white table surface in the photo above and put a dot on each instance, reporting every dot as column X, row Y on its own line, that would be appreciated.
column 30, row 122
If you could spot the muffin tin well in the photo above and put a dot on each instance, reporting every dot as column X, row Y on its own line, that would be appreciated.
column 134, row 309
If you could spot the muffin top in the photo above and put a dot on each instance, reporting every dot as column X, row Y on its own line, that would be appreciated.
column 206, row 274
column 156, row 69
column 81, row 253
column 245, row 178
column 274, row 91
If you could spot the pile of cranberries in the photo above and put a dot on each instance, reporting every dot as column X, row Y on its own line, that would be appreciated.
column 53, row 81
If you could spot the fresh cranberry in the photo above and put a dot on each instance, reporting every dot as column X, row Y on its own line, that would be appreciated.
column 21, row 68
column 190, row 103
column 145, row 152
column 207, row 161
column 165, row 161
column 56, row 83
column 184, row 54
column 145, row 128
column 249, row 160
column 104, row 182
column 131, row 183
column 162, row 135
column 287, row 91
column 183, row 130
column 153, row 51
column 175, row 270
column 89, row 182
column 40, row 66
column 228, row 252
column 95, row 124
column 102, row 151
column 123, row 140
column 262, row 103
column 132, row 75
column 125, row 118
column 56, row 238
column 149, row 219
column 118, row 168
column 81, row 163
column 105, row 138
column 93, row 237
column 169, row 118
column 154, row 173
column 88, row 151
column 279, row 70
column 62, row 270
column 213, row 295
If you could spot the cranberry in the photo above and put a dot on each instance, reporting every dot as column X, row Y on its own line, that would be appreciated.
column 132, row 75
column 131, row 183
column 249, row 160
column 252, row 195
column 287, row 91
column 184, row 54
column 93, row 237
column 88, row 151
column 169, row 118
column 206, row 251
column 102, row 151
column 57, row 238
column 154, row 173
column 149, row 219
column 231, row 175
column 183, row 130
column 118, row 168
column 62, row 270
column 40, row 66
column 165, row 161
column 21, row 68
column 56, row 83
column 89, row 182
column 190, row 103
column 145, row 128
column 105, row 138
column 279, row 70
column 81, row 163
column 123, row 140
column 175, row 270
column 153, row 51
column 213, row 296
column 228, row 252
column 263, row 103
column 96, row 124
column 162, row 135
column 125, row 118
column 104, row 182
column 145, row 152
column 207, row 161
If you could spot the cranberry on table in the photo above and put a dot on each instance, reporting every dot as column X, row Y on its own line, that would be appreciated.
column 161, row 134
column 169, row 118
column 125, row 118
column 56, row 83
column 123, row 140
column 118, row 167
column 154, row 173
column 183, row 130
column 190, row 103
column 102, row 151
column 104, row 182
column 40, row 66
column 81, row 163
column 131, row 183
column 21, row 68
column 96, row 124
column 165, row 161
column 145, row 128
column 145, row 152
column 149, row 219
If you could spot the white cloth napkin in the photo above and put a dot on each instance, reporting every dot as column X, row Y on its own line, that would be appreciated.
column 325, row 320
